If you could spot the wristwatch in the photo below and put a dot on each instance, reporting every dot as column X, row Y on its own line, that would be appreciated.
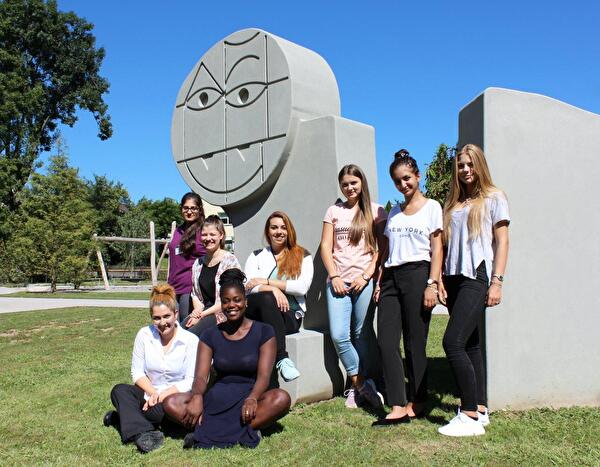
column 499, row 277
column 431, row 281
column 366, row 278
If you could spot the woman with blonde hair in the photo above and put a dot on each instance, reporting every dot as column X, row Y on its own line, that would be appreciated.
column 279, row 277
column 163, row 364
column 476, row 220
column 206, row 272
column 349, row 253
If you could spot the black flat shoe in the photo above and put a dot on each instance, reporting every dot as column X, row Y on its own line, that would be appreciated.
column 111, row 418
column 383, row 422
column 188, row 441
column 149, row 441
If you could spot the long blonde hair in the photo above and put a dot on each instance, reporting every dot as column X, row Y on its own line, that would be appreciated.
column 363, row 222
column 483, row 188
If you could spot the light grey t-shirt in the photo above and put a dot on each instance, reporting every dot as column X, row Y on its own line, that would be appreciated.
column 464, row 254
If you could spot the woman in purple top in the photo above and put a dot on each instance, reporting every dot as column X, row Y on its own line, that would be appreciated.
column 185, row 247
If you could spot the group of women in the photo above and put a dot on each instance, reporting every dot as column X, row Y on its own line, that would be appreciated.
column 406, row 261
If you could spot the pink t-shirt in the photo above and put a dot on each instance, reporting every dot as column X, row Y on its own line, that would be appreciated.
column 350, row 260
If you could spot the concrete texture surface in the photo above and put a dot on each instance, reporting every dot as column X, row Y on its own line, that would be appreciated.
column 542, row 342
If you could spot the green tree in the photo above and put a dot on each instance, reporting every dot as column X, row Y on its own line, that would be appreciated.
column 162, row 212
column 135, row 224
column 438, row 175
column 52, row 234
column 49, row 69
column 110, row 201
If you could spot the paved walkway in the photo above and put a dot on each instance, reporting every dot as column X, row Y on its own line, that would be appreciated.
column 13, row 304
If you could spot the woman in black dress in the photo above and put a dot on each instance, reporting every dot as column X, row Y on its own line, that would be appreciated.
column 242, row 352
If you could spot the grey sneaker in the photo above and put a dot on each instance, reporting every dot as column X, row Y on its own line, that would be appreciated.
column 149, row 441
column 368, row 393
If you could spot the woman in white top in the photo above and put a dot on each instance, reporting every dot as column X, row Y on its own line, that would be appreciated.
column 349, row 253
column 206, row 272
column 407, row 291
column 279, row 277
column 163, row 364
column 476, row 223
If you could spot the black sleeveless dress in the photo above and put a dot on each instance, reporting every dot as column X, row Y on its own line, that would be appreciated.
column 236, row 363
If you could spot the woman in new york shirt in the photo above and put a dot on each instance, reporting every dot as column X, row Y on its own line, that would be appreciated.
column 407, row 291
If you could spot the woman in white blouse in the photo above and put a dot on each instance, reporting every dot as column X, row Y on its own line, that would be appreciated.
column 163, row 363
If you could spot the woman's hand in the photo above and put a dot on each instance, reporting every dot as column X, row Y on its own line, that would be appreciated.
column 197, row 311
column 281, row 299
column 191, row 321
column 338, row 286
column 254, row 282
column 151, row 402
column 357, row 285
column 442, row 294
column 494, row 294
column 376, row 293
column 430, row 297
column 193, row 411
column 249, row 410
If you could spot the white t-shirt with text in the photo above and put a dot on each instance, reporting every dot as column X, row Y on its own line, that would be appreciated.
column 409, row 236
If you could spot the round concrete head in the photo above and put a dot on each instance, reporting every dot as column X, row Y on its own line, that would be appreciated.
column 236, row 113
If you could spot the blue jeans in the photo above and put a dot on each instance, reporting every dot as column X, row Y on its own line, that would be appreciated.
column 346, row 318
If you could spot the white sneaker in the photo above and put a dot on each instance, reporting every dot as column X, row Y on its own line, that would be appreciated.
column 462, row 425
column 351, row 398
column 484, row 418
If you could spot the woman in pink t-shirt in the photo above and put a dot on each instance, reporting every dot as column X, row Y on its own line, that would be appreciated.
column 349, row 252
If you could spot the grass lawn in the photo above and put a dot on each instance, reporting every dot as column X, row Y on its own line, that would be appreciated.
column 85, row 294
column 58, row 367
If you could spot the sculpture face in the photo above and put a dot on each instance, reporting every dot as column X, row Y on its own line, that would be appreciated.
column 232, row 118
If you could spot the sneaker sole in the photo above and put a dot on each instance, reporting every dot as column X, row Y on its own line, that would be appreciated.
column 453, row 435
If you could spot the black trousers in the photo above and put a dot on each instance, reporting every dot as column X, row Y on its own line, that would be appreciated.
column 184, row 302
column 466, row 305
column 203, row 325
column 262, row 306
column 129, row 400
column 401, row 311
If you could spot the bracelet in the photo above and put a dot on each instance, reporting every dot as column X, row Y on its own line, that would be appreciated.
column 432, row 286
column 497, row 284
column 333, row 277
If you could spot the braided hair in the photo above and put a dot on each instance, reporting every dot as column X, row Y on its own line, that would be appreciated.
column 403, row 157
column 233, row 278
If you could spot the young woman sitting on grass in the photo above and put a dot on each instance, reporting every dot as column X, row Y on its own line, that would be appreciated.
column 163, row 362
column 242, row 353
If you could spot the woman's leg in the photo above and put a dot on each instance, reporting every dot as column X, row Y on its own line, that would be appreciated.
column 203, row 325
column 263, row 307
column 184, row 302
column 339, row 310
column 466, row 304
column 415, row 322
column 361, row 332
column 272, row 405
column 174, row 406
column 129, row 400
column 389, row 330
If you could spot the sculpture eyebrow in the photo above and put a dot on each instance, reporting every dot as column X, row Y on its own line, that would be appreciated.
column 247, row 57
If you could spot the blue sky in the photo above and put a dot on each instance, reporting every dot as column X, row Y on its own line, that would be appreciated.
column 404, row 67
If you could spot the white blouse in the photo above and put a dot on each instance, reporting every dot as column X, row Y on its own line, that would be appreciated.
column 175, row 367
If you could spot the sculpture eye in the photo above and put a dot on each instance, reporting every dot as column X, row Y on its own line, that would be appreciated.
column 203, row 98
column 245, row 94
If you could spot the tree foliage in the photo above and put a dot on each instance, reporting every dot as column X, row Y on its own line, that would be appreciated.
column 162, row 212
column 52, row 232
column 439, row 174
column 49, row 68
column 134, row 223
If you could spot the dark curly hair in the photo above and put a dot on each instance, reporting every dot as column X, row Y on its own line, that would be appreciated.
column 403, row 157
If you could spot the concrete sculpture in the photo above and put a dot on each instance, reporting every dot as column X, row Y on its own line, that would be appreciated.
column 256, row 128
column 542, row 346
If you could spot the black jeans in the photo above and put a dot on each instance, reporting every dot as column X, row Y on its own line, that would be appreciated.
column 466, row 305
column 262, row 306
column 129, row 400
column 184, row 302
column 401, row 311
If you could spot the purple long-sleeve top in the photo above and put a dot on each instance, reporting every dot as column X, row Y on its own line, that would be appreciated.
column 180, row 267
